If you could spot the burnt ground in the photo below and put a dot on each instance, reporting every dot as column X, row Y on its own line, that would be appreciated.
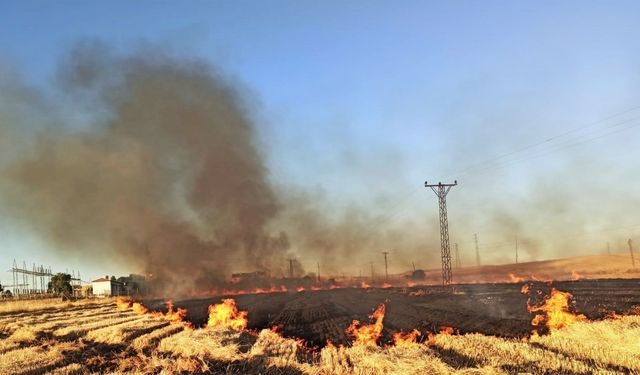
column 493, row 309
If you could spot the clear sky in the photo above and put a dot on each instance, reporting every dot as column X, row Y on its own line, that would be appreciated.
column 364, row 100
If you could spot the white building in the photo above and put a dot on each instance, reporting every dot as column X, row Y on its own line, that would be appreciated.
column 107, row 287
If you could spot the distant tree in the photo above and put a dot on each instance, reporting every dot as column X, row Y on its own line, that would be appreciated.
column 113, row 278
column 61, row 283
column 1, row 288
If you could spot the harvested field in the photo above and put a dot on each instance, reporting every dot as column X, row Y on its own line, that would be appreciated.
column 491, row 334
column 493, row 309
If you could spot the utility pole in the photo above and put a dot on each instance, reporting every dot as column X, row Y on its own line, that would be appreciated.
column 516, row 249
column 441, row 191
column 386, row 268
column 290, row 267
column 457, row 257
column 371, row 263
column 633, row 261
column 318, row 271
column 475, row 237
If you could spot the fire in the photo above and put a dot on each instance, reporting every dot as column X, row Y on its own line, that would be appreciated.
column 524, row 289
column 406, row 339
column 300, row 289
column 386, row 286
column 123, row 303
column 575, row 275
column 364, row 285
column 411, row 284
column 515, row 279
column 446, row 330
column 315, row 288
column 368, row 334
column 174, row 316
column 139, row 309
column 226, row 314
column 556, row 314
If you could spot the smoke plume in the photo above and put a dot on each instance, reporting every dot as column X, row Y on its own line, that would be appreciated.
column 167, row 177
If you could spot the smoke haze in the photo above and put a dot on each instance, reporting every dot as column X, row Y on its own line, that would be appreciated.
column 156, row 162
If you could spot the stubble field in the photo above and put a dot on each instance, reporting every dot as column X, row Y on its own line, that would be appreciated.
column 480, row 329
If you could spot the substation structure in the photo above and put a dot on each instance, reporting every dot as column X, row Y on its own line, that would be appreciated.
column 35, row 282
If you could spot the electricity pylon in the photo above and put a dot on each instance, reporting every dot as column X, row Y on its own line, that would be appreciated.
column 386, row 268
column 441, row 191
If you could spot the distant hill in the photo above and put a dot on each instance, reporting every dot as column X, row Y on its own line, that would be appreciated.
column 581, row 267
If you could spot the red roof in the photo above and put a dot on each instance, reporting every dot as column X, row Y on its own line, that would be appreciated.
column 100, row 280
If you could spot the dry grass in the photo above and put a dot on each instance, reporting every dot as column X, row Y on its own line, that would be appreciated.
column 205, row 344
column 150, row 340
column 102, row 339
column 21, row 306
column 72, row 369
column 608, row 343
column 504, row 354
column 123, row 333
column 275, row 350
column 81, row 329
column 33, row 359
column 374, row 360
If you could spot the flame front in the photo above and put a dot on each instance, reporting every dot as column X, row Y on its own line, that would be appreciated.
column 139, row 309
column 174, row 316
column 226, row 314
column 367, row 335
column 556, row 314
column 406, row 339
column 123, row 303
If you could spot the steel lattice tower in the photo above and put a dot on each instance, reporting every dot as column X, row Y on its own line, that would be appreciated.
column 441, row 191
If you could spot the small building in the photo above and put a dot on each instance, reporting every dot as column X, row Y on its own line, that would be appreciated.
column 107, row 287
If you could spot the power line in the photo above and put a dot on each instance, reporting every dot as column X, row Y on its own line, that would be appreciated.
column 441, row 191
column 399, row 207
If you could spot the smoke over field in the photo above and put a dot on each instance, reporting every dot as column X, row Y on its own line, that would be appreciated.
column 153, row 161
column 167, row 176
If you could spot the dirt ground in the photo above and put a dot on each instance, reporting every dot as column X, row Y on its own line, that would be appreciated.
column 493, row 309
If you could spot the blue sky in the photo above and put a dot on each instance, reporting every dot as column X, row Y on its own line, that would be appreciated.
column 364, row 100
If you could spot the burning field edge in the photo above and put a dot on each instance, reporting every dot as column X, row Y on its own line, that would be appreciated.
column 124, row 336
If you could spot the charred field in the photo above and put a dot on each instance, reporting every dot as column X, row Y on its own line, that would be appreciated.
column 477, row 329
column 498, row 309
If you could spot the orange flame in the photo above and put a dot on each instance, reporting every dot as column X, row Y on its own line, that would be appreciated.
column 446, row 330
column 300, row 289
column 174, row 316
column 556, row 314
column 406, row 339
column 515, row 279
column 364, row 285
column 226, row 314
column 368, row 334
column 524, row 289
column 139, row 309
column 575, row 275
column 123, row 303
column 386, row 286
column 411, row 284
